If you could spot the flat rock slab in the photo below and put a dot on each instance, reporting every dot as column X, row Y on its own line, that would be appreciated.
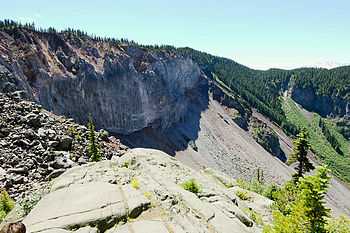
column 83, row 204
column 146, row 227
column 87, row 229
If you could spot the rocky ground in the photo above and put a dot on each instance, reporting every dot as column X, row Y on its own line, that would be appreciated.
column 36, row 145
column 141, row 192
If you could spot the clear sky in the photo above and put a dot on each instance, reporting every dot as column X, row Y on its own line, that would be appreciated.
column 257, row 33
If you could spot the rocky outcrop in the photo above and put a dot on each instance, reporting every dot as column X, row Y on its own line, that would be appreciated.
column 124, row 87
column 225, row 97
column 266, row 137
column 142, row 192
column 36, row 146
column 326, row 106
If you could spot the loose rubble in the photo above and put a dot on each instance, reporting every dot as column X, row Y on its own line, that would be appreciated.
column 36, row 145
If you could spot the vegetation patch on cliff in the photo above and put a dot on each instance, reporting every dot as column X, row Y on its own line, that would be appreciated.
column 340, row 165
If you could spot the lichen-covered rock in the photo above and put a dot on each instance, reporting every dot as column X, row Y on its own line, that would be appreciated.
column 141, row 192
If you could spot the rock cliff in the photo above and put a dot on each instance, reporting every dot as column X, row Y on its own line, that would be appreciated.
column 124, row 87
column 326, row 106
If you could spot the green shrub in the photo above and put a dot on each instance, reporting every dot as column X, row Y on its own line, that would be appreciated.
column 73, row 132
column 192, row 186
column 243, row 195
column 6, row 204
column 266, row 190
column 338, row 225
column 255, row 216
column 126, row 164
column 292, row 223
column 148, row 195
column 284, row 196
column 135, row 183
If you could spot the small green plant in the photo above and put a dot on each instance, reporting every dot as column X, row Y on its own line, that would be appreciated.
column 6, row 204
column 255, row 216
column 192, row 186
column 73, row 132
column 243, row 195
column 93, row 148
column 126, row 164
column 29, row 202
column 284, row 197
column 254, row 185
column 135, row 183
column 338, row 225
column 148, row 195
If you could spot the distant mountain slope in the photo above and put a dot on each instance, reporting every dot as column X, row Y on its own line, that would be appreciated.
column 324, row 91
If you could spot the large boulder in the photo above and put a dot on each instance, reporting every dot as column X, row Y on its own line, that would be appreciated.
column 140, row 192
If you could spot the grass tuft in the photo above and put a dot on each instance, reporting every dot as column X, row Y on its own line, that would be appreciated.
column 192, row 186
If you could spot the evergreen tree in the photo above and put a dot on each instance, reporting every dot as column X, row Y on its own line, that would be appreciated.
column 308, row 213
column 313, row 190
column 299, row 154
column 93, row 150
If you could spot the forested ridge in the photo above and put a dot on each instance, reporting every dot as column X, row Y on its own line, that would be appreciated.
column 262, row 89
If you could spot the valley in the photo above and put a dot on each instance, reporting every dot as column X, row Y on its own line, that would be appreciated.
column 219, row 121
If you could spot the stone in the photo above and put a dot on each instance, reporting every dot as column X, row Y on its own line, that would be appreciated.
column 33, row 120
column 65, row 143
column 104, row 135
column 53, row 144
column 62, row 161
column 56, row 173
column 2, row 174
column 56, row 210
column 83, row 160
column 19, row 170
column 4, row 132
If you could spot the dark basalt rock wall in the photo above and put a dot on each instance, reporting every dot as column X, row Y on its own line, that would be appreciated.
column 124, row 87
column 324, row 105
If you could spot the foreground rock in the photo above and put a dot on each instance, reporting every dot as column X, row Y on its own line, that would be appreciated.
column 141, row 192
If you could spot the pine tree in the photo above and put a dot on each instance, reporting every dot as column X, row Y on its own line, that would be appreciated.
column 93, row 150
column 313, row 191
column 299, row 154
column 307, row 210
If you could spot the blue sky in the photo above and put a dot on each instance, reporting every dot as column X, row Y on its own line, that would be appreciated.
column 260, row 34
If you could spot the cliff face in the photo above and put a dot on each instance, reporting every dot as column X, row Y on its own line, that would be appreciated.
column 324, row 105
column 124, row 88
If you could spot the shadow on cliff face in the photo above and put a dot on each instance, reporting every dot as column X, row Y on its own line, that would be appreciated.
column 181, row 134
